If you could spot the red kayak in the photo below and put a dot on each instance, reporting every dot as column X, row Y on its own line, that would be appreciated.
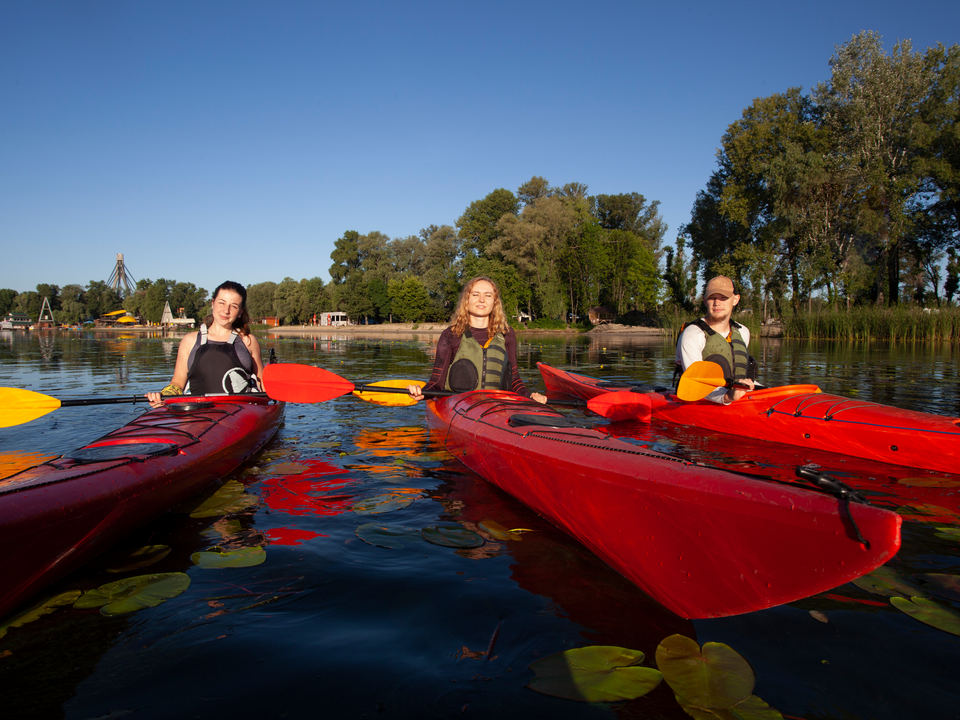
column 797, row 415
column 57, row 515
column 702, row 542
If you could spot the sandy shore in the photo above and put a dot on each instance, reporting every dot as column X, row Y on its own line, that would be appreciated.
column 390, row 329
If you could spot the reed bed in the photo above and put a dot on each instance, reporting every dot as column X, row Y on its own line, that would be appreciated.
column 896, row 324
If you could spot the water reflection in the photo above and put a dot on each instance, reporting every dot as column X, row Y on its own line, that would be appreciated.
column 430, row 631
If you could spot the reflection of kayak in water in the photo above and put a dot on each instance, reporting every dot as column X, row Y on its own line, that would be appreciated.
column 700, row 541
column 798, row 415
column 60, row 514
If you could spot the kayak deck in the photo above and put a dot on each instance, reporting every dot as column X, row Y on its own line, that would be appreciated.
column 800, row 415
column 68, row 510
column 702, row 542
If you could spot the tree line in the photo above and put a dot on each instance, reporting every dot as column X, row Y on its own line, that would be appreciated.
column 850, row 192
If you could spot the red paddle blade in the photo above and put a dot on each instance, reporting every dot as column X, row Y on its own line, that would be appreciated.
column 303, row 383
column 622, row 405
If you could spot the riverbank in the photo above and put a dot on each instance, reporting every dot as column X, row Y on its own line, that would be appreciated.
column 437, row 328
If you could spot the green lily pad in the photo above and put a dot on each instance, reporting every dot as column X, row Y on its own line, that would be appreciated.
column 452, row 535
column 35, row 612
column 716, row 677
column 131, row 594
column 933, row 482
column 139, row 558
column 599, row 673
column 394, row 538
column 499, row 532
column 217, row 557
column 753, row 708
column 887, row 582
column 948, row 533
column 942, row 584
column 287, row 468
column 229, row 499
column 929, row 612
column 387, row 502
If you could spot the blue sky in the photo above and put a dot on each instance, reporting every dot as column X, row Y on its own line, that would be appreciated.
column 238, row 140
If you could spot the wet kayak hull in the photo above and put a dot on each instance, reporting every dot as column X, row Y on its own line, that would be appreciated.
column 702, row 542
column 56, row 516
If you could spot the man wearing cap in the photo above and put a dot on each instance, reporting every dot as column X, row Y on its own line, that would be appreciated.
column 717, row 338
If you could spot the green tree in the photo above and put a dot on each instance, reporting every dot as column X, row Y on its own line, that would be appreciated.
column 260, row 300
column 73, row 307
column 872, row 105
column 409, row 299
column 192, row 299
column 101, row 299
column 287, row 302
column 29, row 303
column 52, row 293
column 8, row 299
column 478, row 225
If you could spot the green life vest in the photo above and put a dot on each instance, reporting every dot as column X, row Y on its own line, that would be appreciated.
column 474, row 362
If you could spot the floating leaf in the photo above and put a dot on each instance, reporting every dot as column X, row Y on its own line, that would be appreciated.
column 929, row 612
column 229, row 499
column 136, row 559
column 599, row 673
column 817, row 615
column 753, row 708
column 35, row 612
column 386, row 502
column 499, row 532
column 948, row 533
column 217, row 557
column 136, row 593
column 452, row 535
column 929, row 482
column 887, row 582
column 324, row 445
column 942, row 584
column 287, row 468
column 394, row 538
column 716, row 677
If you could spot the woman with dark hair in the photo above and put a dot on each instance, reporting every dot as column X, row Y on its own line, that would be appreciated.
column 479, row 349
column 223, row 357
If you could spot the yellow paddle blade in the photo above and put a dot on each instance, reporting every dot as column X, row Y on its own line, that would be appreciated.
column 393, row 399
column 21, row 406
column 699, row 380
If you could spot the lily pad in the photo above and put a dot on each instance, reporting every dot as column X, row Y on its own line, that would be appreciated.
column 948, row 533
column 229, row 499
column 933, row 482
column 499, row 532
column 136, row 593
column 35, row 612
column 452, row 535
column 387, row 502
column 929, row 612
column 599, row 673
column 324, row 445
column 714, row 677
column 395, row 537
column 753, row 708
column 217, row 557
column 140, row 558
column 887, row 582
column 942, row 584
column 287, row 468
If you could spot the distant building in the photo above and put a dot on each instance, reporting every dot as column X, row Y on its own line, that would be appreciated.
column 16, row 321
column 333, row 318
column 600, row 314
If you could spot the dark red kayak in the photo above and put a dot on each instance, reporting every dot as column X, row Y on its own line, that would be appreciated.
column 57, row 515
column 799, row 415
column 702, row 542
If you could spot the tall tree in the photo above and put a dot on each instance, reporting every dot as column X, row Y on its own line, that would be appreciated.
column 7, row 299
column 477, row 226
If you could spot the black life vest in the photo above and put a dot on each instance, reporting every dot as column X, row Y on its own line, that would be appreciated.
column 217, row 368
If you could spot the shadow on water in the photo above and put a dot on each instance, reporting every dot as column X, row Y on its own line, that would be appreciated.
column 330, row 625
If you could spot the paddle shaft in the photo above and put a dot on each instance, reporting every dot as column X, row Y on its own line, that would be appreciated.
column 80, row 402
column 360, row 387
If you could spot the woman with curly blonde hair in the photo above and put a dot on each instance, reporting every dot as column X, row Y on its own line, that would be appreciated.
column 479, row 349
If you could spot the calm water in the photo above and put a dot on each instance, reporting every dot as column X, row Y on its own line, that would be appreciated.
column 330, row 626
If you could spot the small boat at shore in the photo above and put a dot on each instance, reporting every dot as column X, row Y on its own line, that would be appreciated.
column 702, row 542
column 58, row 515
column 798, row 415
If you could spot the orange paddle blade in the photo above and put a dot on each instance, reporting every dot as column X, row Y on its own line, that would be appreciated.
column 699, row 380
column 389, row 397
column 21, row 406
column 303, row 383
